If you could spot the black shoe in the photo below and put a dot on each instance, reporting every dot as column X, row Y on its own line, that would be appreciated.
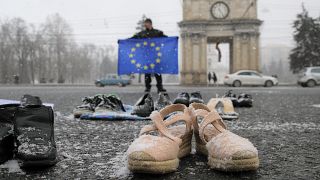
column 144, row 106
column 34, row 135
column 245, row 100
column 6, row 132
column 183, row 98
column 110, row 103
column 196, row 98
column 163, row 101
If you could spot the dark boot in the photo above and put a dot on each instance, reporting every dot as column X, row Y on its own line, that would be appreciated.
column 144, row 106
column 6, row 132
column 34, row 133
column 163, row 101
column 196, row 98
column 183, row 98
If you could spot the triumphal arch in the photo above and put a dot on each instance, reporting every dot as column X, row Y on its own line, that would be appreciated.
column 218, row 21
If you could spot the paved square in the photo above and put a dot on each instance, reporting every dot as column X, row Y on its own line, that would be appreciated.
column 284, row 125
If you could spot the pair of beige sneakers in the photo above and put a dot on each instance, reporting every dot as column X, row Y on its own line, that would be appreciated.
column 161, row 145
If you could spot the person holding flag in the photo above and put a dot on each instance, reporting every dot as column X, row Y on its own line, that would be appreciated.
column 150, row 32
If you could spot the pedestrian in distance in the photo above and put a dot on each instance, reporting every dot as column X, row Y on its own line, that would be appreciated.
column 215, row 79
column 209, row 77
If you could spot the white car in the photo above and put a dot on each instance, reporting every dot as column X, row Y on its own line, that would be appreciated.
column 249, row 78
column 310, row 77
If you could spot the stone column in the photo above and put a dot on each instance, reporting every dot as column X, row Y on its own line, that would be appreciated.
column 194, row 59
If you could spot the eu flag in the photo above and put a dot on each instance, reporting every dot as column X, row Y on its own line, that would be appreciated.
column 152, row 55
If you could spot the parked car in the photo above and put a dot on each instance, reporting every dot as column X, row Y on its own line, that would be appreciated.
column 113, row 79
column 248, row 77
column 310, row 77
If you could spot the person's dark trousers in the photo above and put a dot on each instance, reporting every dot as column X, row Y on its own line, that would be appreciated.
column 148, row 80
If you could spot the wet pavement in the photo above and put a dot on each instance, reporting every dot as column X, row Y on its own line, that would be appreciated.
column 284, row 125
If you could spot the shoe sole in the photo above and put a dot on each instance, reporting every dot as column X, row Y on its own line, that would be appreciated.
column 42, row 163
column 161, row 167
column 185, row 102
column 228, row 165
column 77, row 115
column 229, row 117
column 234, row 165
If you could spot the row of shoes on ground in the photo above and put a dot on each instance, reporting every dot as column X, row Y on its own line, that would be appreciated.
column 159, row 153
column 27, row 133
column 145, row 105
column 99, row 103
column 243, row 100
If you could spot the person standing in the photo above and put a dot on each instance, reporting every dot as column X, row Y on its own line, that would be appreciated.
column 150, row 32
column 214, row 77
column 209, row 77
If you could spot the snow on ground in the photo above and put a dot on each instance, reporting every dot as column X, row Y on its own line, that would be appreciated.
column 282, row 125
column 12, row 166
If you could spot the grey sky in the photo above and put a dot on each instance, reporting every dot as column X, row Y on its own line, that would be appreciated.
column 105, row 21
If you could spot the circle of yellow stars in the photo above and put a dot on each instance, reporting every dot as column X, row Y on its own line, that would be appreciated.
column 147, row 66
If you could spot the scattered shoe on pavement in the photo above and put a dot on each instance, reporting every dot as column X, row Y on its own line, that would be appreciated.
column 85, row 108
column 163, row 101
column 182, row 98
column 159, row 154
column 224, row 107
column 34, row 133
column 226, row 151
column 110, row 103
column 144, row 106
column 6, row 132
column 243, row 100
column 196, row 98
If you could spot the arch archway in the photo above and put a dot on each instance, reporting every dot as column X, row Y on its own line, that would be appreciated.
column 211, row 21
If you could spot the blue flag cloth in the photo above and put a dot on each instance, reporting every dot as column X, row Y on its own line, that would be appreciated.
column 152, row 55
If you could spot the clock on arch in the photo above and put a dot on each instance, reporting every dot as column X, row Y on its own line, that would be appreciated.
column 220, row 10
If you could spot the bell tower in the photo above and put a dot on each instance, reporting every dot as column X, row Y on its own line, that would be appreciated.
column 218, row 21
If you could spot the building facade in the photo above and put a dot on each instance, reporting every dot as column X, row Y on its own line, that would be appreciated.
column 218, row 21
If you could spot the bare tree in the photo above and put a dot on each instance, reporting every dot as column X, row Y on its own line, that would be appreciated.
column 6, row 52
column 58, row 33
column 19, row 38
column 48, row 53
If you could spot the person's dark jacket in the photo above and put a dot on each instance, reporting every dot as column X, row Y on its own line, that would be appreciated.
column 152, row 33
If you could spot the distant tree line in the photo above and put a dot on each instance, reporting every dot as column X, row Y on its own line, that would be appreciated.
column 49, row 54
column 307, row 38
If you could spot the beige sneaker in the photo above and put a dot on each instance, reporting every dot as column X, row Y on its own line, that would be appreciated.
column 226, row 151
column 159, row 154
column 224, row 107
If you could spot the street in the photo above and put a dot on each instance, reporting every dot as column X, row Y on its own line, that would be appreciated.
column 284, row 125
